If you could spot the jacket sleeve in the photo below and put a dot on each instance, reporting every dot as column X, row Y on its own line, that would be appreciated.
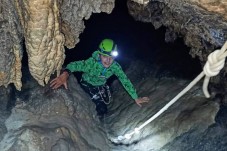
column 83, row 65
column 125, row 81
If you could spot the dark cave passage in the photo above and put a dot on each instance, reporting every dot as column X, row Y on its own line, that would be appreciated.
column 136, row 41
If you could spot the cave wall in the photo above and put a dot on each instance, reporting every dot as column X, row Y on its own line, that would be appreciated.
column 201, row 23
column 43, row 38
column 11, row 45
column 46, row 26
column 50, row 120
column 203, row 28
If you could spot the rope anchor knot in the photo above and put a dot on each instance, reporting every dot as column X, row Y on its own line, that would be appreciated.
column 214, row 64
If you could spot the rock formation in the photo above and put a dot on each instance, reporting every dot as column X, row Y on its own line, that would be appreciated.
column 46, row 26
column 46, row 119
column 11, row 38
column 49, row 25
column 201, row 23
column 54, row 120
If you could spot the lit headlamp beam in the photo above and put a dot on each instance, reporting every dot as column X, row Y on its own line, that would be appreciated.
column 114, row 53
column 218, row 59
column 129, row 135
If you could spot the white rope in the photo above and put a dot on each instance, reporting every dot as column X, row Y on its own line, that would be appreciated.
column 215, row 63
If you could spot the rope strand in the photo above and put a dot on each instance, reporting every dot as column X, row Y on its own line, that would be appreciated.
column 215, row 63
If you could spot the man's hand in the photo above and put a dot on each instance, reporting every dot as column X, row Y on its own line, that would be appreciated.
column 59, row 81
column 139, row 101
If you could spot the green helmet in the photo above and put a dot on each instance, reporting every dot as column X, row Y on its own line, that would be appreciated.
column 108, row 48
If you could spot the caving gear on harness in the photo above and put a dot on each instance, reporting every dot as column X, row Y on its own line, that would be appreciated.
column 100, row 95
column 108, row 48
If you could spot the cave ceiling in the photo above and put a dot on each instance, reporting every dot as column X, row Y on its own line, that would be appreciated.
column 202, row 23
column 47, row 26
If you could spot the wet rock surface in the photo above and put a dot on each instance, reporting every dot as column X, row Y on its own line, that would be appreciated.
column 46, row 119
column 191, row 116
column 53, row 120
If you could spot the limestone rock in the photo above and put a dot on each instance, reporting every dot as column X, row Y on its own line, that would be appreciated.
column 43, row 38
column 10, row 48
column 47, row 26
column 191, row 114
column 73, row 13
column 201, row 23
column 51, row 120
column 203, row 28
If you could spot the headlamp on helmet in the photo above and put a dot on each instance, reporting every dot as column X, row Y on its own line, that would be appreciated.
column 108, row 48
column 114, row 53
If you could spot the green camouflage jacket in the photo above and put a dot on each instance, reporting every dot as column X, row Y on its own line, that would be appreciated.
column 96, row 74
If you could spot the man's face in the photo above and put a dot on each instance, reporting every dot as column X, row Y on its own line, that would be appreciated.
column 106, row 60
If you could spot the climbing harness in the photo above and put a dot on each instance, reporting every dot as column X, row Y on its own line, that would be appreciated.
column 216, row 61
column 105, row 94
column 97, row 92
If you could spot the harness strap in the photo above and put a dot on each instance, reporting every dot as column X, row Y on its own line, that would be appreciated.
column 100, row 91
